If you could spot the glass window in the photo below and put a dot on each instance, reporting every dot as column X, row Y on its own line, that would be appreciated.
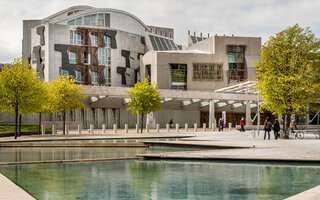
column 72, row 57
column 94, row 76
column 79, row 21
column 87, row 20
column 107, row 41
column 100, row 19
column 207, row 71
column 79, row 77
column 94, row 40
column 93, row 20
column 64, row 72
column 71, row 22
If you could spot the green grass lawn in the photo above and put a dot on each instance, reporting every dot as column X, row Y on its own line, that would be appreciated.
column 24, row 128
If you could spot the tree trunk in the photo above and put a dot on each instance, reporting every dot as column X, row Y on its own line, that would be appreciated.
column 64, row 122
column 19, row 133
column 16, row 122
column 141, row 123
column 287, row 125
column 39, row 126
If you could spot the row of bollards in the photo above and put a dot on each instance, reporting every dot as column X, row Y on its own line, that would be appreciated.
column 103, row 130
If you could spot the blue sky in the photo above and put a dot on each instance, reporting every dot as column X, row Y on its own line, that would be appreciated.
column 258, row 18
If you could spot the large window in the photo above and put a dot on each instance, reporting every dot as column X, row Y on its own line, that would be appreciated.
column 79, row 76
column 178, row 76
column 79, row 21
column 104, row 56
column 107, row 73
column 76, row 38
column 72, row 57
column 237, row 70
column 100, row 19
column 94, row 77
column 207, row 71
column 107, row 41
column 94, row 40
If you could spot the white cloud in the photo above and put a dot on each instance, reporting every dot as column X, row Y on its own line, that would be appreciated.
column 261, row 18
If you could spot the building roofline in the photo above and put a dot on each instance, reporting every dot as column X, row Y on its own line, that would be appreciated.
column 66, row 10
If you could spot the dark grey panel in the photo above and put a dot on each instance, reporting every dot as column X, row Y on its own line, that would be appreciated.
column 65, row 65
column 122, row 71
column 139, row 54
column 40, row 66
column 126, row 54
column 40, row 31
column 143, row 40
column 112, row 35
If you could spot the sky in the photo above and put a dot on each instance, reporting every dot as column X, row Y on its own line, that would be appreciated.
column 256, row 18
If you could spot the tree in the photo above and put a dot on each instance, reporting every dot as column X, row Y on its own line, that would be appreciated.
column 66, row 96
column 288, row 72
column 21, row 91
column 144, row 99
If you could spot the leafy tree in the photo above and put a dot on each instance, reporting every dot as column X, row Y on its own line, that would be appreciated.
column 66, row 96
column 288, row 72
column 144, row 99
column 21, row 91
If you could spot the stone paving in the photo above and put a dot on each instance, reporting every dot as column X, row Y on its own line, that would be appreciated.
column 9, row 190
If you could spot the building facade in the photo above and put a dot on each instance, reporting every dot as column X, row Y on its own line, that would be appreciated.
column 109, row 50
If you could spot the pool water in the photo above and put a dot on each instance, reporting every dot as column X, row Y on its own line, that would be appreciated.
column 21, row 154
column 158, row 179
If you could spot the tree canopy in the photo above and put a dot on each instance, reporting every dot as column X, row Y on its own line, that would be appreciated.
column 289, row 72
column 66, row 96
column 21, row 91
column 144, row 99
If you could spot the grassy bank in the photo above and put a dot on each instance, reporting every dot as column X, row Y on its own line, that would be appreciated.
column 24, row 128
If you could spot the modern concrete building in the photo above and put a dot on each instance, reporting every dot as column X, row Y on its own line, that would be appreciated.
column 108, row 50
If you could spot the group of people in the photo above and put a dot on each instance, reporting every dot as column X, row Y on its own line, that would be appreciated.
column 268, row 127
column 221, row 124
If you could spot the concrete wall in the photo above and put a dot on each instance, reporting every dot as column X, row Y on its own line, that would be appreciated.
column 26, row 40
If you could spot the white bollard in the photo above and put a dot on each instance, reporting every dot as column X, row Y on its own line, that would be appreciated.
column 114, row 128
column 79, row 129
column 230, row 124
column 43, row 130
column 67, row 130
column 195, row 127
column 91, row 128
column 126, row 128
column 177, row 127
column 53, row 129
column 204, row 127
column 186, row 127
column 137, row 128
column 157, row 128
column 167, row 128
column 147, row 128
column 103, row 129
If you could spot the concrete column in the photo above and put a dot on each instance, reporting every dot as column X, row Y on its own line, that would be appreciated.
column 157, row 128
column 53, row 129
column 195, row 127
column 126, row 128
column 204, row 127
column 91, row 128
column 147, row 128
column 212, row 119
column 138, row 123
column 67, row 129
column 167, row 128
column 151, row 120
column 258, row 112
column 137, row 128
column 230, row 125
column 43, row 130
column 103, row 128
column 79, row 129
column 248, row 111
column 177, row 127
column 186, row 127
column 114, row 128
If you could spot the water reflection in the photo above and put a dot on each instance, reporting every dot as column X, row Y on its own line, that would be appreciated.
column 72, row 153
column 163, row 180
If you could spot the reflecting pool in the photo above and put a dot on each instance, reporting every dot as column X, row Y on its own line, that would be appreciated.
column 12, row 154
column 163, row 180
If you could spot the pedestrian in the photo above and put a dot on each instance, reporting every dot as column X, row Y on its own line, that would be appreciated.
column 267, row 128
column 276, row 129
column 171, row 123
column 242, row 124
column 221, row 124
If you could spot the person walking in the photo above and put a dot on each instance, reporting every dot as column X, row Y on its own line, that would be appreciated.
column 242, row 124
column 221, row 124
column 267, row 128
column 276, row 129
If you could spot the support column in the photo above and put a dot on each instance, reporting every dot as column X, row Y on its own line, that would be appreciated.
column 151, row 121
column 258, row 112
column 248, row 111
column 212, row 119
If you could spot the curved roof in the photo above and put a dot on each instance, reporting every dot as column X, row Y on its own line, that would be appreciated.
column 88, row 10
column 79, row 7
